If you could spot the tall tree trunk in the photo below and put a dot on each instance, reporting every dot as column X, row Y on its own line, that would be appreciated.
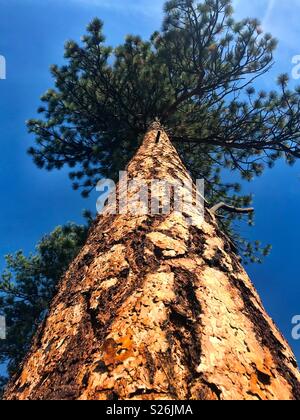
column 154, row 308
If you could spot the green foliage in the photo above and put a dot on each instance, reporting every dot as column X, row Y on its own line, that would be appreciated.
column 196, row 75
column 28, row 285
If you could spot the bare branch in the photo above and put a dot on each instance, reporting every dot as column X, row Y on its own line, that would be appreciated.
column 230, row 209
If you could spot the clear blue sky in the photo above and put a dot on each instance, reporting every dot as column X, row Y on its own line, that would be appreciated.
column 32, row 36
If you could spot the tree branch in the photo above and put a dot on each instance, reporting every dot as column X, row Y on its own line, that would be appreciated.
column 230, row 209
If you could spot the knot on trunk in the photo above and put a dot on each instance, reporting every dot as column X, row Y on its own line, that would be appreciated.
column 156, row 125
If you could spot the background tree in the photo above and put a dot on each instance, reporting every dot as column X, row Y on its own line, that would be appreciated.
column 27, row 287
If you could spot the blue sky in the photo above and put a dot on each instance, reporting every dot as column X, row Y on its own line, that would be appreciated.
column 32, row 36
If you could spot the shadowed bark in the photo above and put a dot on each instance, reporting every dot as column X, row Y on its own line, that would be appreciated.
column 157, row 308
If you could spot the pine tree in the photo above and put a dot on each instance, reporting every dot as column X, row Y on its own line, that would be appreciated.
column 198, row 76
column 156, row 307
column 152, row 308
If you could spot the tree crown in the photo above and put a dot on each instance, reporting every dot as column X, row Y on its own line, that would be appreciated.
column 197, row 75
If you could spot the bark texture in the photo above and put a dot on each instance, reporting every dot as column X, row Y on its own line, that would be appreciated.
column 154, row 308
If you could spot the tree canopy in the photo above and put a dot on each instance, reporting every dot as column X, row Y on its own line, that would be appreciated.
column 197, row 75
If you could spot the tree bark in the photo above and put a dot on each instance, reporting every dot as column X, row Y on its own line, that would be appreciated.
column 154, row 308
